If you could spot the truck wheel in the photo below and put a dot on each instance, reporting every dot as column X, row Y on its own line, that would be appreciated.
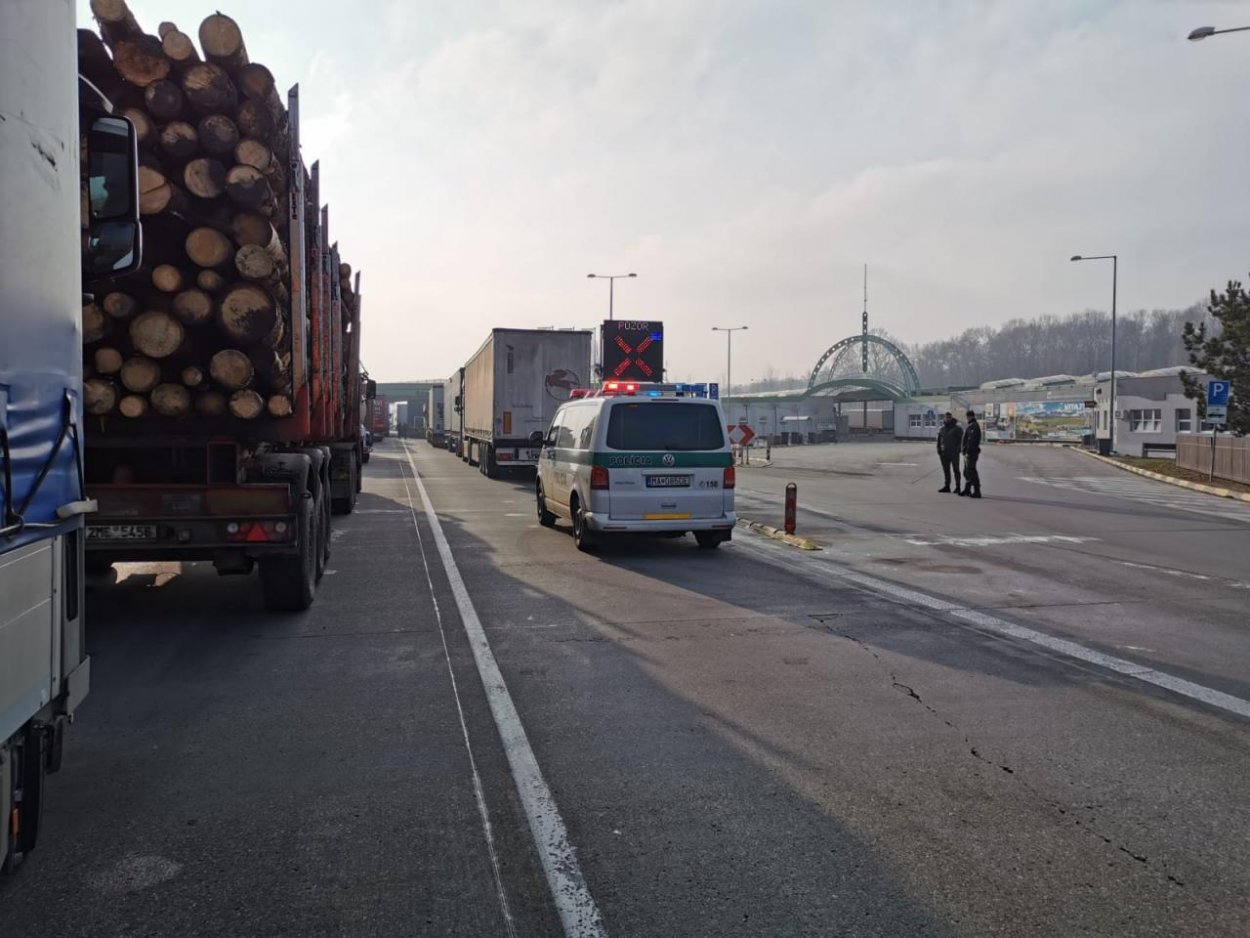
column 545, row 518
column 490, row 468
column 583, row 537
column 323, row 532
column 288, row 582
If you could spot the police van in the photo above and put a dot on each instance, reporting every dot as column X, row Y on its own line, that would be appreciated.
column 638, row 458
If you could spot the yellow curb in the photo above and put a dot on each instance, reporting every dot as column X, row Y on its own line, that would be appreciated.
column 768, row 530
column 1159, row 477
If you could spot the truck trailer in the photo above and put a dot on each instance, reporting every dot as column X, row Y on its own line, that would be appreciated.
column 453, row 412
column 512, row 387
column 225, row 376
column 434, row 417
column 48, row 117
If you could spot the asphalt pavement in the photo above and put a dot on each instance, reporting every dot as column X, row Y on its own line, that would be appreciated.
column 478, row 730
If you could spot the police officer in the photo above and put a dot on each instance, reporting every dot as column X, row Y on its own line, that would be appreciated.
column 972, row 452
column 949, row 440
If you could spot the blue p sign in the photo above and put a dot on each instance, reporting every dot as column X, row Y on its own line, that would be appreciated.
column 1217, row 393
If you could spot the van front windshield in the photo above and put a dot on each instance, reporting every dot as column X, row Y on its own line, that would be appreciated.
column 657, row 425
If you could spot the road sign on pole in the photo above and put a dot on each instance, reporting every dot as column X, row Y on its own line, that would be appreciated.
column 1217, row 402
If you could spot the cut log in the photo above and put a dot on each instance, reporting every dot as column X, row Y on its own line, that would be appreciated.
column 156, row 334
column 218, row 134
column 115, row 19
column 231, row 369
column 140, row 375
column 179, row 48
column 246, row 313
column 251, row 228
column 247, row 187
column 255, row 121
column 193, row 307
column 254, row 263
column 163, row 99
column 133, row 406
column 99, row 396
column 246, row 405
column 167, row 278
column 208, row 247
column 256, row 84
column 204, row 177
column 95, row 324
column 179, row 140
column 279, row 405
column 345, row 272
column 108, row 361
column 222, row 42
column 192, row 376
column 210, row 281
column 165, row 28
column 250, row 152
column 145, row 130
column 210, row 403
column 141, row 60
column 273, row 369
column 95, row 64
column 119, row 305
column 171, row 400
column 276, row 335
column 209, row 89
column 275, row 172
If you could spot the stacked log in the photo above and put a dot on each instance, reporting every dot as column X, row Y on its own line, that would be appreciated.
column 204, row 328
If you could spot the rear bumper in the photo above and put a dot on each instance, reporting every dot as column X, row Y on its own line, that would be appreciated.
column 600, row 522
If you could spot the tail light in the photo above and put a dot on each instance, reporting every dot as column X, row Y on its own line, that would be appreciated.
column 731, row 477
column 599, row 477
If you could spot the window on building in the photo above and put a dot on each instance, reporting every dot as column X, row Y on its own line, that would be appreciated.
column 915, row 421
column 930, row 419
column 1184, row 420
column 1149, row 420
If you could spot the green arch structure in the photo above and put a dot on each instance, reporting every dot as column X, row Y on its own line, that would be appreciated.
column 911, row 380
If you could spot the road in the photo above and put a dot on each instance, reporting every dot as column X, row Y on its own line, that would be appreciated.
column 477, row 730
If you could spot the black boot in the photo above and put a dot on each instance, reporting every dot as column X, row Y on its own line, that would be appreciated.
column 977, row 493
column 945, row 488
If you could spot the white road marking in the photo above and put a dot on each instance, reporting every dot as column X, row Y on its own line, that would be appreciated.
column 1207, row 695
column 1135, row 488
column 1184, row 574
column 995, row 540
column 578, row 912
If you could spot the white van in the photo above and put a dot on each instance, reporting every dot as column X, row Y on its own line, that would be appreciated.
column 638, row 458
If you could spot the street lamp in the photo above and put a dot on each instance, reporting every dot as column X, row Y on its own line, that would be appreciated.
column 1202, row 32
column 1115, row 266
column 729, row 351
column 611, row 279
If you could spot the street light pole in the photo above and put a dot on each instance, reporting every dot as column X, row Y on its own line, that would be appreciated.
column 1202, row 32
column 611, row 279
column 1115, row 277
column 729, row 352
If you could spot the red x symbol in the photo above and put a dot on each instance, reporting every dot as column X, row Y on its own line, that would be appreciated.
column 636, row 360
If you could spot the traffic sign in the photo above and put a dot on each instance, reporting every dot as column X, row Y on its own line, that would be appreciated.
column 741, row 435
column 1217, row 393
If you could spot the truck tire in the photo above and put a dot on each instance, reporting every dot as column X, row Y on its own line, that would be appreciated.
column 289, row 581
column 490, row 468
column 323, row 530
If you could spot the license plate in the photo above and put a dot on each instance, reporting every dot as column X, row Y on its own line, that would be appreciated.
column 668, row 482
column 121, row 532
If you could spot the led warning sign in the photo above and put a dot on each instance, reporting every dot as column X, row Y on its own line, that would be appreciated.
column 633, row 350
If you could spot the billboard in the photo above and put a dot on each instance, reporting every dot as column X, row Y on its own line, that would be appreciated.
column 632, row 350
column 1059, row 421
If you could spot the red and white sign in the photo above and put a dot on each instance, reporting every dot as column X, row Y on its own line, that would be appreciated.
column 741, row 435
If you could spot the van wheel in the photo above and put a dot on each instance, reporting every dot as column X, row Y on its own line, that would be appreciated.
column 545, row 518
column 583, row 537
column 708, row 540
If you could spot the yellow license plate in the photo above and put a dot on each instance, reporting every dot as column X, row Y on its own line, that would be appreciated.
column 673, row 517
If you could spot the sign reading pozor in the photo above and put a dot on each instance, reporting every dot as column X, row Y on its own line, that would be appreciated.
column 633, row 350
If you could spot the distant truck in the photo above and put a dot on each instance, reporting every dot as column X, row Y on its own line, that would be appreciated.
column 453, row 412
column 379, row 417
column 512, row 387
column 47, row 119
column 434, row 427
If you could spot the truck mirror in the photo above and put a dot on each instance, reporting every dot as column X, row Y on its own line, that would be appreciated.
column 371, row 389
column 114, row 238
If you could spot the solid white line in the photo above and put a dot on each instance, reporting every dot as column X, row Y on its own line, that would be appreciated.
column 578, row 912
column 479, row 791
column 990, row 623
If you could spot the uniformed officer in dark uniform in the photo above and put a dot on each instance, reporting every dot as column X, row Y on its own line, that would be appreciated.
column 949, row 442
column 972, row 452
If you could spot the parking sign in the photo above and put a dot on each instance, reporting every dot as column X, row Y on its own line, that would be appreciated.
column 1217, row 401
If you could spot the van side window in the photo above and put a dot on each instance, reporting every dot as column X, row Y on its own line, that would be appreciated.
column 587, row 435
column 564, row 434
column 553, row 431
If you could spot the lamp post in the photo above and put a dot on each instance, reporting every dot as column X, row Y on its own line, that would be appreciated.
column 611, row 279
column 729, row 351
column 1202, row 32
column 1115, row 266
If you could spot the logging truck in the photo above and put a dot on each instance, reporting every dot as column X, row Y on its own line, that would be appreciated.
column 68, row 174
column 223, row 377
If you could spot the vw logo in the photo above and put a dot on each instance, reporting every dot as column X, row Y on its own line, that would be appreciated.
column 669, row 459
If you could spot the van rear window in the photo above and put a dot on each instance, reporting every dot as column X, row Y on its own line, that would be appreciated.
column 662, row 426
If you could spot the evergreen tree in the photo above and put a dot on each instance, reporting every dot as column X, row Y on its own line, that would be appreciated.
column 1223, row 353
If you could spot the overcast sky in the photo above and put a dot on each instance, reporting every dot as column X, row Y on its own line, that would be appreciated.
column 747, row 158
